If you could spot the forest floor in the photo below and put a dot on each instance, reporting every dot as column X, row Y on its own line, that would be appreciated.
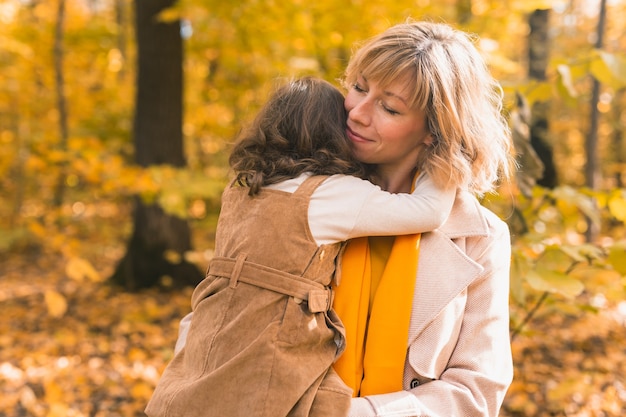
column 78, row 347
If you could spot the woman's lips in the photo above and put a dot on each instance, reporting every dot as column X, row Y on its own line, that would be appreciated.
column 355, row 137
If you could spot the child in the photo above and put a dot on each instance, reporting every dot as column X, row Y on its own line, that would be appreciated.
column 263, row 335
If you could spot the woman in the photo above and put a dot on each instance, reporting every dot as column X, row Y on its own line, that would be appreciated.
column 434, row 306
column 436, row 318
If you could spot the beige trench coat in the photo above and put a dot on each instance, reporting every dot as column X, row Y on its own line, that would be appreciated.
column 459, row 358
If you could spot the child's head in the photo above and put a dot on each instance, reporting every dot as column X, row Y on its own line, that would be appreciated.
column 301, row 128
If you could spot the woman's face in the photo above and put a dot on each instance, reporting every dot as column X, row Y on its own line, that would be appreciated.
column 382, row 126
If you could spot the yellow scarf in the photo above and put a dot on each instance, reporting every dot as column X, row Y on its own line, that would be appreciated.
column 373, row 362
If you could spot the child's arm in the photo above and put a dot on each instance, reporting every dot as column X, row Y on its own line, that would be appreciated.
column 345, row 207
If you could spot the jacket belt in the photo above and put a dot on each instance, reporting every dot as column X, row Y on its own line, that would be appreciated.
column 318, row 297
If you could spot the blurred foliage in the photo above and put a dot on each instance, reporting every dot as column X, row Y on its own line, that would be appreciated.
column 234, row 54
column 551, row 256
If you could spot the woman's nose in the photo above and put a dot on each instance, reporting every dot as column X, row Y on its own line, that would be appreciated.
column 359, row 112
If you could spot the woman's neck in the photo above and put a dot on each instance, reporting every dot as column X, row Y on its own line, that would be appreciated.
column 393, row 179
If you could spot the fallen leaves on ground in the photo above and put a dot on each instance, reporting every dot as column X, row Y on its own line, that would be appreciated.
column 80, row 348
column 571, row 365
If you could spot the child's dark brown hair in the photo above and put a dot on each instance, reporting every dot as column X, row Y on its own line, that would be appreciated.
column 302, row 128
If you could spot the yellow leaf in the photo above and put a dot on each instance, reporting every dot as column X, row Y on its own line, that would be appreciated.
column 141, row 390
column 136, row 354
column 617, row 207
column 554, row 282
column 617, row 257
column 56, row 303
column 609, row 69
column 78, row 269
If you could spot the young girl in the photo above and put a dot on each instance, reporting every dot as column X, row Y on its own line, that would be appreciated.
column 263, row 335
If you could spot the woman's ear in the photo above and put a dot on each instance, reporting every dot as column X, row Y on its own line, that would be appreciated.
column 429, row 139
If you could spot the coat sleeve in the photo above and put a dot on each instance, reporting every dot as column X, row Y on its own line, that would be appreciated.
column 480, row 368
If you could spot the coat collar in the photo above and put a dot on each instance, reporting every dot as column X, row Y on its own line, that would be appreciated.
column 444, row 269
column 466, row 218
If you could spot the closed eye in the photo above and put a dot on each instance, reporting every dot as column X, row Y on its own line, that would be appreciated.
column 358, row 88
column 390, row 111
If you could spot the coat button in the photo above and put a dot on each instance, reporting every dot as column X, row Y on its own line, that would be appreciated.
column 415, row 383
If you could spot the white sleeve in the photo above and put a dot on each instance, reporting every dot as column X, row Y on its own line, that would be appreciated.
column 344, row 207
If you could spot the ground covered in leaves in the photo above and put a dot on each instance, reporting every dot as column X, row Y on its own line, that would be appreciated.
column 72, row 347
column 101, row 357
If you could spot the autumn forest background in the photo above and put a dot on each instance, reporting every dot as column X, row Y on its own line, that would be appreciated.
column 116, row 118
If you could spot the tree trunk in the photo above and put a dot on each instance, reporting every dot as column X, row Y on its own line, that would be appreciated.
column 617, row 142
column 538, row 57
column 592, row 171
column 158, row 139
column 591, row 144
column 120, row 20
column 59, row 80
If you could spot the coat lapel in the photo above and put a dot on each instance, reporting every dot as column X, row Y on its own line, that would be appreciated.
column 444, row 270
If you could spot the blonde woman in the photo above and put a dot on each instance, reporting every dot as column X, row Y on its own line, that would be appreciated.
column 428, row 328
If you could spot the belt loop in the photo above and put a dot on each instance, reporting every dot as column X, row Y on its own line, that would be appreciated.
column 320, row 300
column 331, row 298
column 234, row 276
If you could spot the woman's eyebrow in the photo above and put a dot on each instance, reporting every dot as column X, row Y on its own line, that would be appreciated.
column 389, row 93
column 396, row 96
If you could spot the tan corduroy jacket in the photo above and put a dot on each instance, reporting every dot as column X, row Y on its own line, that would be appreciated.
column 263, row 336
